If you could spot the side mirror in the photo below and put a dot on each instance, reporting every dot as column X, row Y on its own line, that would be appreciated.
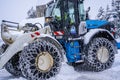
column 88, row 9
column 87, row 13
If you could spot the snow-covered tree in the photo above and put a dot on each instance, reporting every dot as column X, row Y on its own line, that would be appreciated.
column 101, row 13
column 107, row 9
column 32, row 13
column 113, row 3
column 112, row 15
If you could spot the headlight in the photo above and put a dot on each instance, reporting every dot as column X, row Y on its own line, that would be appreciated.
column 48, row 19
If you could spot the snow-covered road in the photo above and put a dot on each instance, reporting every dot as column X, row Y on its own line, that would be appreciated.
column 68, row 73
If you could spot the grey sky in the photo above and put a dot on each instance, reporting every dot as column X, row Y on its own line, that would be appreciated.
column 95, row 5
column 16, row 10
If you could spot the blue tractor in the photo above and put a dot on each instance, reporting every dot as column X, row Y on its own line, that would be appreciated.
column 88, row 44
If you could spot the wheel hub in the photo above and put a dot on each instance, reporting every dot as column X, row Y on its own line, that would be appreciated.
column 44, row 61
column 103, row 54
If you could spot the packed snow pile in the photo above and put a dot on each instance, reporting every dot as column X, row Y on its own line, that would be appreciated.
column 68, row 73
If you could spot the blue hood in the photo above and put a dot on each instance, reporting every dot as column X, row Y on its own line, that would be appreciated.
column 92, row 24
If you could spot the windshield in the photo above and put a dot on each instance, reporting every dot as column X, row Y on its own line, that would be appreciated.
column 71, row 11
column 57, row 12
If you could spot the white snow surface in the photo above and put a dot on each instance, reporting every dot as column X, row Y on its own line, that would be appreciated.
column 68, row 73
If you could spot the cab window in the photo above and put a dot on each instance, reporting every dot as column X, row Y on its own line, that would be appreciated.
column 71, row 12
column 82, row 13
column 57, row 13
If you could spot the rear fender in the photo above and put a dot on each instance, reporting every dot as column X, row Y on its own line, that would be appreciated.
column 94, row 33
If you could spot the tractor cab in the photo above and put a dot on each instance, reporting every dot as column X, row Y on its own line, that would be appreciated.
column 65, row 17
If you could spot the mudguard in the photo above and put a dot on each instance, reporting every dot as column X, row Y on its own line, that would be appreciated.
column 94, row 24
column 93, row 33
column 58, row 45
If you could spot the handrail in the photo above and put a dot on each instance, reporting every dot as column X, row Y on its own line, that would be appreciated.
column 9, row 22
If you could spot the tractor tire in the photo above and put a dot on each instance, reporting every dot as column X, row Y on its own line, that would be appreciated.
column 12, row 66
column 99, row 55
column 40, row 60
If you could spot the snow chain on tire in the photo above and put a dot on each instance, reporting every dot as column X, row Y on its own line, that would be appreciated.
column 12, row 66
column 28, row 60
column 92, row 62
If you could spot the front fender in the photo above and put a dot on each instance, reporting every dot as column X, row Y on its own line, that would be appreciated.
column 57, row 44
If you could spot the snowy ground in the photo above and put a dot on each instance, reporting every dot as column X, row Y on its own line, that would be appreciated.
column 68, row 73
